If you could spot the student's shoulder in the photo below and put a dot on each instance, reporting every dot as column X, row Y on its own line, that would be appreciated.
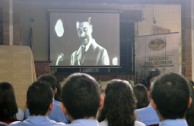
column 103, row 123
column 56, row 102
column 145, row 109
column 16, row 123
column 138, row 123
column 54, row 123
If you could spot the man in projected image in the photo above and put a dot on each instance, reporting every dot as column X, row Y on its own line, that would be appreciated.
column 89, row 53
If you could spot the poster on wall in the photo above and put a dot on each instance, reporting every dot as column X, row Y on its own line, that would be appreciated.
column 155, row 54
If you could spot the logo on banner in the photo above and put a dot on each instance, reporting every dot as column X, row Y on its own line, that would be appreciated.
column 157, row 44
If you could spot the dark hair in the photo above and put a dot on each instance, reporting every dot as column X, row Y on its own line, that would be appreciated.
column 8, row 105
column 141, row 95
column 81, row 95
column 189, row 116
column 39, row 97
column 119, row 104
column 171, row 93
column 50, row 79
column 58, row 94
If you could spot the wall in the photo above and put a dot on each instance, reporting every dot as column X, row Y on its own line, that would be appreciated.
column 166, row 16
column 168, row 20
column 34, row 15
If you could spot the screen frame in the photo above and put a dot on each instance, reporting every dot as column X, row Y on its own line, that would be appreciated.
column 126, row 66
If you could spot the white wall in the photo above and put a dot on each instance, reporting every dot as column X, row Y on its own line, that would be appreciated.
column 166, row 16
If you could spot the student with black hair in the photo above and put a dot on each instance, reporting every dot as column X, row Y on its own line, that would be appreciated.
column 148, row 114
column 81, row 99
column 56, row 113
column 9, row 110
column 170, row 97
column 119, row 105
column 39, row 102
column 141, row 95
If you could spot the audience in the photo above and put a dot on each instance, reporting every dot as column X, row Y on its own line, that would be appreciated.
column 141, row 95
column 56, row 113
column 39, row 103
column 81, row 99
column 9, row 110
column 119, row 105
column 147, row 115
column 170, row 104
column 170, row 95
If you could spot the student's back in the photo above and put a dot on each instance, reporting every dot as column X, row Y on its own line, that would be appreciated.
column 147, row 115
column 56, row 113
column 119, row 105
column 171, row 97
column 39, row 103
column 81, row 99
column 37, row 121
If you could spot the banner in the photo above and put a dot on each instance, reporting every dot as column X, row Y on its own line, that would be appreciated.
column 155, row 54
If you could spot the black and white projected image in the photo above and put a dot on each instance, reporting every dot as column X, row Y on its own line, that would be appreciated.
column 89, row 48
column 84, row 39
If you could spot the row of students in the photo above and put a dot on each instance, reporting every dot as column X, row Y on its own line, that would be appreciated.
column 81, row 100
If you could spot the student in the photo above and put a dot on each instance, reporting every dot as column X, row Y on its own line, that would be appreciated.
column 56, row 113
column 119, row 105
column 81, row 99
column 141, row 95
column 148, row 114
column 170, row 97
column 39, row 102
column 9, row 110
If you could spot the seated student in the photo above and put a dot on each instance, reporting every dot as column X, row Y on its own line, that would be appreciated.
column 119, row 105
column 147, row 115
column 57, row 112
column 81, row 99
column 9, row 110
column 190, row 112
column 170, row 97
column 39, row 102
column 141, row 95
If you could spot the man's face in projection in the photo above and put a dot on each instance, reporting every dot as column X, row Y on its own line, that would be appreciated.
column 84, row 30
